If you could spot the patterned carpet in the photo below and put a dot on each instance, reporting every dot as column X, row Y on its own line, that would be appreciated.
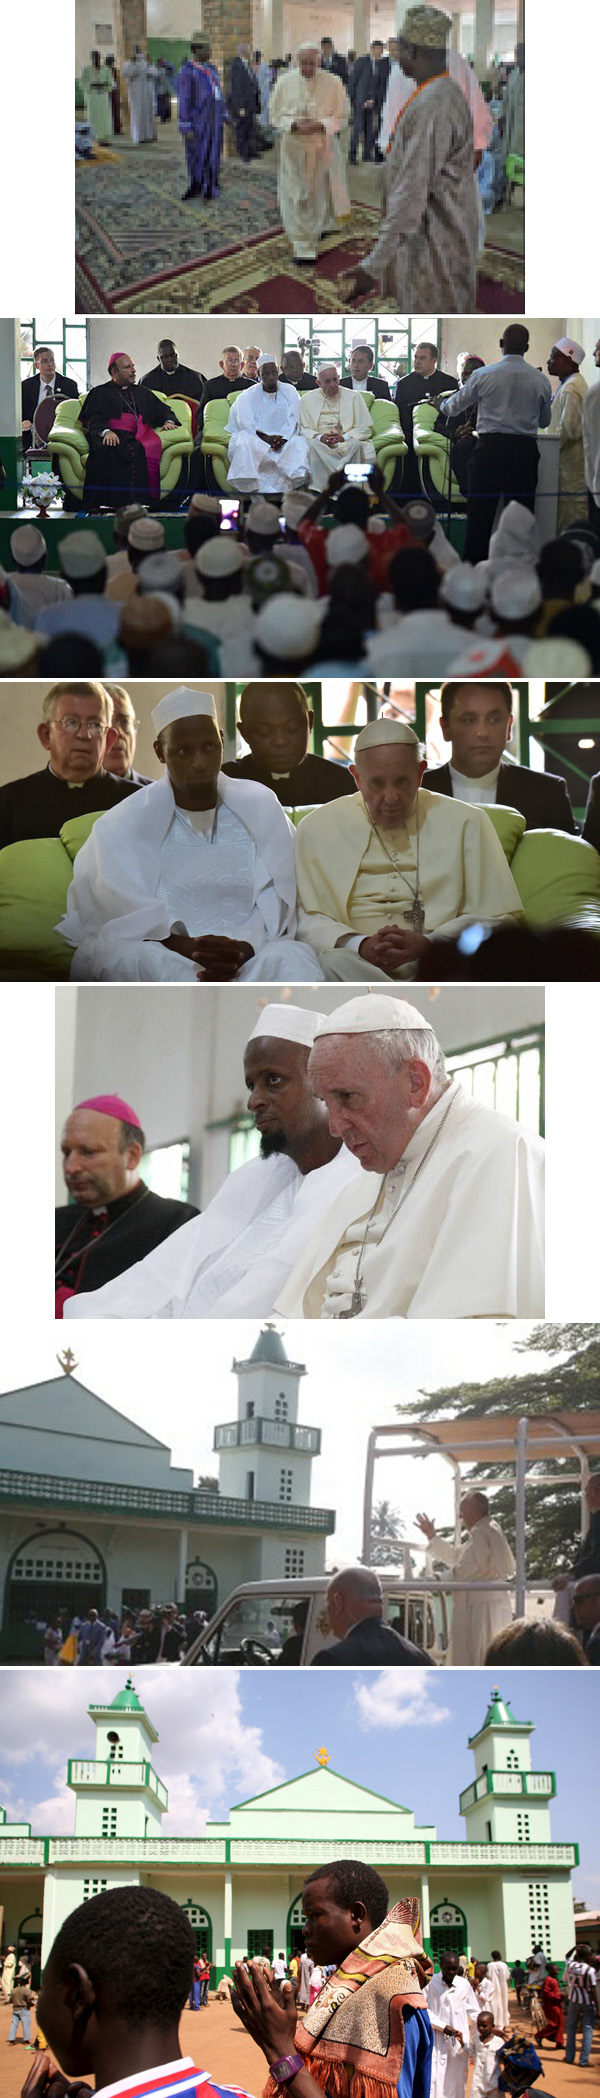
column 141, row 250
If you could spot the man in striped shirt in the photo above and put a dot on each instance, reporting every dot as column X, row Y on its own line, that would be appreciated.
column 582, row 1983
column 115, row 1985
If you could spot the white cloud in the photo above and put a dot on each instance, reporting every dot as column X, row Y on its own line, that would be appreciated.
column 395, row 1699
column 206, row 1754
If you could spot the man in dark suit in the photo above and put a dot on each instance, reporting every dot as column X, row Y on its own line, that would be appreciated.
column 332, row 61
column 293, row 373
column 355, row 1612
column 46, row 384
column 368, row 96
column 243, row 101
column 422, row 383
column 169, row 376
column 360, row 379
column 232, row 380
column 477, row 722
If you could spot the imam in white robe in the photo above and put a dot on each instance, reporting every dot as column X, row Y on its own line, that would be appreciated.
column 319, row 415
column 235, row 1260
column 476, row 1618
column 453, row 2006
column 347, row 888
column 252, row 464
column 135, row 882
column 312, row 187
column 467, row 1240
column 141, row 78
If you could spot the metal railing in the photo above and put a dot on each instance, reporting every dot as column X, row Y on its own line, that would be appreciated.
column 105, row 1496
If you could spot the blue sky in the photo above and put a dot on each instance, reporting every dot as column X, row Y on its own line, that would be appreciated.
column 226, row 1736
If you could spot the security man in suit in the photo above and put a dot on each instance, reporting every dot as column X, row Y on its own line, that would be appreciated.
column 355, row 1612
column 477, row 722
column 359, row 377
column 332, row 61
column 45, row 384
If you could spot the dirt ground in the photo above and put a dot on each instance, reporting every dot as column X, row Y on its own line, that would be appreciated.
column 218, row 2043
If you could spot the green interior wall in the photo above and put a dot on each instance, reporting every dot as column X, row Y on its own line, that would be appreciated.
column 174, row 48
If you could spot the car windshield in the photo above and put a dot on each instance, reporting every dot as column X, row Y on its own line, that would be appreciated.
column 266, row 1629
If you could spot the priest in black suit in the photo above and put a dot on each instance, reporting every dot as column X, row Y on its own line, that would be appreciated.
column 45, row 384
column 424, row 382
column 355, row 1612
column 293, row 373
column 74, row 782
column 113, row 1219
column 359, row 378
column 169, row 376
column 232, row 379
column 477, row 722
column 121, row 420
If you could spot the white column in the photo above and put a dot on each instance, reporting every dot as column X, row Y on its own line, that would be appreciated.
column 362, row 26
column 10, row 410
column 520, row 21
column 271, row 29
column 425, row 1923
column 228, row 1916
column 484, row 35
column 49, row 1925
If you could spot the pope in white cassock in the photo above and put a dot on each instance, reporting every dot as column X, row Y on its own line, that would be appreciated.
column 337, row 425
column 198, row 882
column 451, row 2003
column 309, row 108
column 267, row 454
column 447, row 1220
column 233, row 1259
column 382, row 871
column 476, row 1617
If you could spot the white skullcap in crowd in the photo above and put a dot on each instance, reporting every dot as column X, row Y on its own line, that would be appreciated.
column 220, row 556
column 177, row 706
column 146, row 535
column 516, row 537
column 263, row 518
column 557, row 656
column 27, row 545
column 463, row 589
column 82, row 554
column 345, row 543
column 289, row 626
column 570, row 349
column 287, row 1023
column 515, row 593
column 385, row 731
column 374, row 1013
column 266, row 357
column 159, row 573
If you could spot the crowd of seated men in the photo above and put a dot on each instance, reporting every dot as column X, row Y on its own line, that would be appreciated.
column 341, row 870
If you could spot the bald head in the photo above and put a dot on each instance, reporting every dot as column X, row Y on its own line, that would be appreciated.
column 354, row 1594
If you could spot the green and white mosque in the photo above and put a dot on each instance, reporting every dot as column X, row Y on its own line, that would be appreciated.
column 506, row 1885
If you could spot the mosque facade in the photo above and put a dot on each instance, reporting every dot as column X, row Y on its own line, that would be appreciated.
column 101, row 1517
column 506, row 1885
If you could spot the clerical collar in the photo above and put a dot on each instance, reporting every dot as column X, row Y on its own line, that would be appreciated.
column 122, row 1202
column 484, row 779
column 76, row 784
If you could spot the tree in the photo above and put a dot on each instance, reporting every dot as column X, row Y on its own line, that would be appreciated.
column 387, row 1528
column 571, row 1383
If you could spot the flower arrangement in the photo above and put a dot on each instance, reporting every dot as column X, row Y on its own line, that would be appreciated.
column 41, row 490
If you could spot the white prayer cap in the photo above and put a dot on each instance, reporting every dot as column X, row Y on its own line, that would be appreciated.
column 288, row 627
column 557, row 656
column 220, row 556
column 346, row 543
column 177, row 706
column 27, row 545
column 160, row 572
column 287, row 1023
column 204, row 506
column 516, row 537
column 295, row 506
column 515, row 592
column 18, row 645
column 463, row 589
column 262, row 518
column 570, row 348
column 266, row 357
column 82, row 554
column 146, row 535
column 374, row 1013
column 385, row 731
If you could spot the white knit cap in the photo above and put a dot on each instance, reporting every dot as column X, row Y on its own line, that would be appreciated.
column 81, row 554
column 570, row 348
column 266, row 357
column 385, row 731
column 220, row 556
column 463, row 589
column 288, row 626
column 262, row 517
column 159, row 572
column 515, row 592
column 346, row 543
column 287, row 1023
column 27, row 545
column 176, row 706
column 372, row 1014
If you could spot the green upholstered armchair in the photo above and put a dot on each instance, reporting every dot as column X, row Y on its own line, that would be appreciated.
column 388, row 439
column 432, row 449
column 68, row 448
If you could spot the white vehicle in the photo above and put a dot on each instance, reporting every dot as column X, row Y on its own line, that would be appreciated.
column 283, row 1624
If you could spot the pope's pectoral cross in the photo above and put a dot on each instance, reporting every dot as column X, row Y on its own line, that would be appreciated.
column 415, row 917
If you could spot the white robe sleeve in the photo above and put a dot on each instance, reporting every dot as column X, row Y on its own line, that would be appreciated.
column 489, row 890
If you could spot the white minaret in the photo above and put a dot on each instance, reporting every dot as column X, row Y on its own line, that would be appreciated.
column 266, row 1455
column 118, row 1792
column 509, row 1802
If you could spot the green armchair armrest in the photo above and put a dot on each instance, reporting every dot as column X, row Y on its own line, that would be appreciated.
column 432, row 450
